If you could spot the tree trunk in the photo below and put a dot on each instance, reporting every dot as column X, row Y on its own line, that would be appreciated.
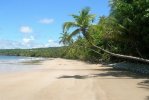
column 114, row 54
column 122, row 56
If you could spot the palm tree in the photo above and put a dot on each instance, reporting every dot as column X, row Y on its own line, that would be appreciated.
column 81, row 23
column 64, row 39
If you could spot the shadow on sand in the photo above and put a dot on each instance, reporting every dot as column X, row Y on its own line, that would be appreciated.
column 147, row 98
column 145, row 85
column 111, row 73
column 104, row 73
column 74, row 76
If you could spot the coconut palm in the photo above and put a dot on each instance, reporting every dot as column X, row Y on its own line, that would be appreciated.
column 64, row 39
column 81, row 23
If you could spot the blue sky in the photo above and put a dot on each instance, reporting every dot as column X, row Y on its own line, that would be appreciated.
column 38, row 23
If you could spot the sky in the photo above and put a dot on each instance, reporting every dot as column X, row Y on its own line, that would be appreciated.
column 38, row 23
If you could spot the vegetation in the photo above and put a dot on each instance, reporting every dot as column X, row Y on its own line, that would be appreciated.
column 82, row 22
column 40, row 52
column 124, row 33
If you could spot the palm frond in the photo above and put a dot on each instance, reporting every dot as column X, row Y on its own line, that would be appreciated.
column 75, row 32
column 68, row 25
column 85, row 11
column 75, row 16
column 64, row 39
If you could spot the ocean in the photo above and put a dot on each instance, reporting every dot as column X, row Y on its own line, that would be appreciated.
column 18, row 63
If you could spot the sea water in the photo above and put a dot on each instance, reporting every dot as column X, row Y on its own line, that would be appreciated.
column 18, row 63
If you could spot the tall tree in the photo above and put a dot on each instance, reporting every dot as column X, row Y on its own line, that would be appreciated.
column 64, row 39
column 82, row 22
column 133, row 15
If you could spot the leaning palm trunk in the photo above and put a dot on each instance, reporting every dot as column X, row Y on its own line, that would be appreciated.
column 87, row 37
column 121, row 56
column 82, row 23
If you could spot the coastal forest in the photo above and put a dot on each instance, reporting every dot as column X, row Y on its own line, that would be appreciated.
column 122, row 35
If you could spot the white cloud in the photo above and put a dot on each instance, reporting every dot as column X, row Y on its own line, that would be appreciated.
column 10, row 44
column 27, row 41
column 52, row 43
column 46, row 21
column 26, row 29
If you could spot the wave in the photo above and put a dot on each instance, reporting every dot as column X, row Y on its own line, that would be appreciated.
column 17, row 60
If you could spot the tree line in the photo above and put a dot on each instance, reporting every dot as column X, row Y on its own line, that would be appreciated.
column 38, row 52
column 123, row 34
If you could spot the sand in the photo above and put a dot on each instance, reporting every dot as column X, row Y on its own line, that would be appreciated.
column 61, row 79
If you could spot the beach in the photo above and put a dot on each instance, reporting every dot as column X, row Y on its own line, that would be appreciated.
column 61, row 79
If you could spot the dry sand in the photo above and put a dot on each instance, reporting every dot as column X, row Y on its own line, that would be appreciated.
column 61, row 79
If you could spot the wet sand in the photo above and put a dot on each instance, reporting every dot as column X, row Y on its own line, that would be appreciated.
column 61, row 79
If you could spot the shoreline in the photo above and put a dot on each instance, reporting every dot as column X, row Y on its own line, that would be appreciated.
column 63, row 79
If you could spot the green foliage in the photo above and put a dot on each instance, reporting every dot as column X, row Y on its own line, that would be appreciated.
column 132, row 15
column 40, row 52
column 81, row 23
column 64, row 39
column 78, row 50
column 124, row 31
